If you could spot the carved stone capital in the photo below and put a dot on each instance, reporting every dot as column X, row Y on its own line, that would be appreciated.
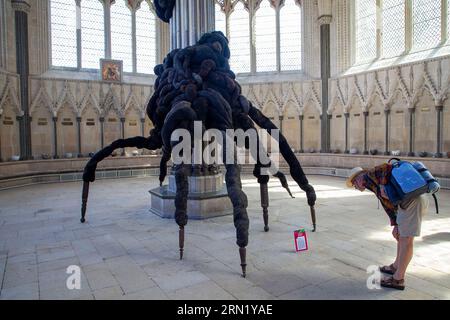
column 439, row 108
column 325, row 19
column 21, row 5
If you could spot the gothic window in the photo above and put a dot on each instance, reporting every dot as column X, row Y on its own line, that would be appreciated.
column 78, row 38
column 240, row 39
column 291, row 36
column 121, row 36
column 63, row 33
column 393, row 36
column 366, row 30
column 92, row 28
column 426, row 24
column 266, row 38
column 221, row 22
column 145, row 39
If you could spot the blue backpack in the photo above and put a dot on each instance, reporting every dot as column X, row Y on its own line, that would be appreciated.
column 410, row 180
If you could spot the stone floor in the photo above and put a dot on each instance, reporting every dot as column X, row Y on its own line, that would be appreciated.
column 127, row 253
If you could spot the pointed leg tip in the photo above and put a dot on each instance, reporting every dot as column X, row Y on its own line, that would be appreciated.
column 82, row 220
column 266, row 229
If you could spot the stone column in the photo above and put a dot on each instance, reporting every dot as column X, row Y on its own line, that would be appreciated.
column 387, row 114
column 281, row 118
column 122, row 127
column 191, row 19
column 102, row 131
column 22, row 8
column 79, row 136
column 439, row 129
column 55, row 137
column 79, row 47
column 412, row 129
column 107, row 21
column 347, row 119
column 301, row 118
column 366, row 132
column 133, row 36
column 325, row 18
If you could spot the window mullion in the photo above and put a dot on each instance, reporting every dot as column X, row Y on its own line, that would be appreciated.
column 133, row 39
column 78, row 24
column 278, row 35
column 379, row 22
column 252, row 13
column 107, row 19
column 409, row 26
column 444, row 24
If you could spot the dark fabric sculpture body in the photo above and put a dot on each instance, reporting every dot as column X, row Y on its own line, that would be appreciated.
column 196, row 84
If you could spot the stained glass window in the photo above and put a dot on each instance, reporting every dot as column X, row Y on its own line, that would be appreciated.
column 92, row 33
column 393, row 28
column 366, row 30
column 266, row 38
column 63, row 33
column 291, row 36
column 145, row 39
column 426, row 24
column 121, row 37
column 240, row 39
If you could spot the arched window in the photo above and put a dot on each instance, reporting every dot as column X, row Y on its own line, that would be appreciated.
column 366, row 30
column 291, row 36
column 145, row 39
column 221, row 22
column 393, row 28
column 92, row 33
column 426, row 24
column 240, row 39
column 448, row 19
column 266, row 38
column 63, row 33
column 121, row 35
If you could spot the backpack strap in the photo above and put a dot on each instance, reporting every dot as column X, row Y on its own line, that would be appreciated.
column 436, row 203
column 396, row 159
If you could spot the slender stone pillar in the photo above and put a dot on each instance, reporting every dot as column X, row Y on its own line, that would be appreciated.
column 325, row 19
column 347, row 119
column 133, row 35
column 22, row 8
column 387, row 114
column 79, row 136
column 107, row 26
column 366, row 132
column 191, row 19
column 439, row 130
column 79, row 47
column 302, row 149
column 412, row 130
column 281, row 118
column 122, row 127
column 143, row 127
column 55, row 137
column 102, row 131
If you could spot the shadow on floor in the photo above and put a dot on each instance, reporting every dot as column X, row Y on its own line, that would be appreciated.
column 441, row 236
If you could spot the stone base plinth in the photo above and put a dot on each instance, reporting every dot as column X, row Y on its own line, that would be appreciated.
column 208, row 198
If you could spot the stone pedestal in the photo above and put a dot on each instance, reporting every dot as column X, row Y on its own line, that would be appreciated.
column 207, row 198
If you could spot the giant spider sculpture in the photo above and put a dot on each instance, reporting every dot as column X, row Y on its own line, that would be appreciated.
column 196, row 84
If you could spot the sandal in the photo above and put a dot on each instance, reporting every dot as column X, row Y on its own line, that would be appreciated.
column 388, row 269
column 393, row 284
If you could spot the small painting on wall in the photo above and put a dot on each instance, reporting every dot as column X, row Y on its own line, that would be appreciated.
column 111, row 70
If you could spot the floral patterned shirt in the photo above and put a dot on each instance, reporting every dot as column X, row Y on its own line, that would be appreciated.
column 375, row 179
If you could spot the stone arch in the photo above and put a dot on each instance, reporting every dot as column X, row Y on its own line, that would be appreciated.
column 112, row 126
column 311, row 128
column 337, row 127
column 376, row 125
column 67, row 130
column 271, row 110
column 90, row 128
column 9, row 129
column 425, row 123
column 42, row 132
column 291, row 124
column 356, row 124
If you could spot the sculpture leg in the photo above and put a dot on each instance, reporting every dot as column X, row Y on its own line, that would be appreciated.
column 240, row 202
column 265, row 204
column 181, row 177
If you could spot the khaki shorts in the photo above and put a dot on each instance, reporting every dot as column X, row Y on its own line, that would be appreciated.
column 410, row 214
